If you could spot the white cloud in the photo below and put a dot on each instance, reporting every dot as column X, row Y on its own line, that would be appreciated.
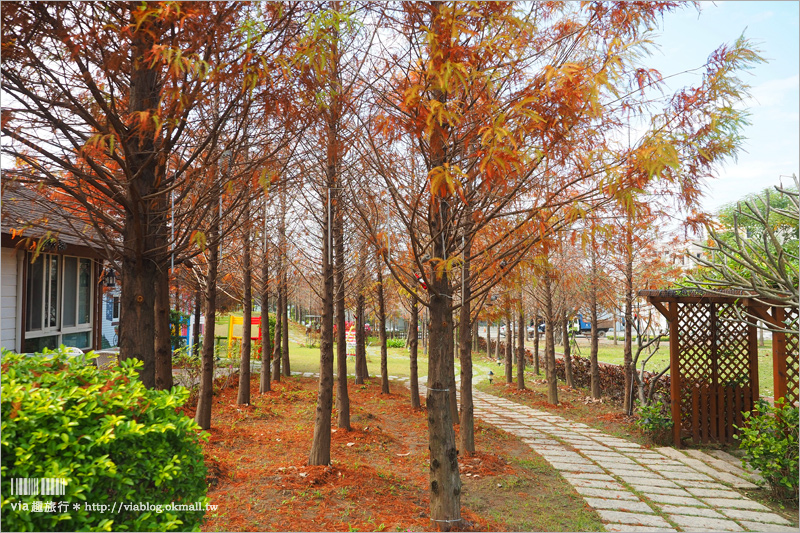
column 774, row 92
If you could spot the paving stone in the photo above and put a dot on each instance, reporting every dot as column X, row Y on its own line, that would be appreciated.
column 700, row 466
column 691, row 476
column 755, row 516
column 735, row 504
column 606, row 493
column 630, row 527
column 714, row 493
column 661, row 490
column 593, row 483
column 618, row 505
column 572, row 467
column 758, row 526
column 699, row 484
column 720, row 464
column 613, row 462
column 692, row 511
column 621, row 517
column 602, row 477
column 648, row 482
column 634, row 472
column 670, row 467
column 691, row 523
column 683, row 501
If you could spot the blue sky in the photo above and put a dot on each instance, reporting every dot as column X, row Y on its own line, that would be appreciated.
column 772, row 147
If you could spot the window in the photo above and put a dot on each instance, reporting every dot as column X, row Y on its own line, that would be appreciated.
column 58, row 302
column 115, row 308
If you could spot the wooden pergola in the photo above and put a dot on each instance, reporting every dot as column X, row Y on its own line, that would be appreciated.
column 714, row 359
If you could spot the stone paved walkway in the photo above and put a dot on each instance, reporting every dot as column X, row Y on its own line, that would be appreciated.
column 634, row 488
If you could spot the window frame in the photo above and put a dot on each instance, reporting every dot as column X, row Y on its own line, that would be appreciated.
column 59, row 329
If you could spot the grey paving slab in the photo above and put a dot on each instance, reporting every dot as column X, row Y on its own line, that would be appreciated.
column 721, row 464
column 758, row 526
column 698, row 484
column 621, row 494
column 690, row 475
column 634, row 472
column 618, row 505
column 648, row 481
column 714, row 493
column 596, row 483
column 621, row 517
column 755, row 516
column 670, row 499
column 602, row 477
column 735, row 504
column 660, row 490
column 691, row 523
column 691, row 511
column 633, row 528
column 572, row 467
column 700, row 466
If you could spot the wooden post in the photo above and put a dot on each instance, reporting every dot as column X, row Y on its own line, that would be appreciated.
column 752, row 346
column 674, row 375
column 779, row 355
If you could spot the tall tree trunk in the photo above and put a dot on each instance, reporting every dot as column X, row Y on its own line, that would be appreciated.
column 321, row 443
column 382, row 333
column 467, row 419
column 413, row 345
column 266, row 348
column 521, row 347
column 627, row 349
column 284, row 273
column 593, row 361
column 536, row 369
column 509, row 349
column 614, row 316
column 362, row 372
column 163, row 344
column 342, row 394
column 276, row 345
column 550, row 342
column 205, row 397
column 567, row 352
column 137, row 301
column 196, row 330
column 488, row 338
column 247, row 311
column 475, row 343
column 497, row 346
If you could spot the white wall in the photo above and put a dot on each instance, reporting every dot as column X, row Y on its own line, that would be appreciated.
column 8, row 298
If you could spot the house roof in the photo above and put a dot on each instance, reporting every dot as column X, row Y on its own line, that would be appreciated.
column 26, row 212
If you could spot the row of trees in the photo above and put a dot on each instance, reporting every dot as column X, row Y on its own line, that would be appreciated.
column 459, row 141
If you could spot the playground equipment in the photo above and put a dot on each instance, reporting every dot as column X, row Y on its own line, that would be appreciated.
column 239, row 321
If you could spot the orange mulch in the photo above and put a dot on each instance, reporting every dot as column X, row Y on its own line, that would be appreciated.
column 258, row 474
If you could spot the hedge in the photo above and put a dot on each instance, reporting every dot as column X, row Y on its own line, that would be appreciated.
column 113, row 441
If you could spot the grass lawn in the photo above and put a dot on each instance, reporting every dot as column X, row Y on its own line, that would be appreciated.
column 306, row 359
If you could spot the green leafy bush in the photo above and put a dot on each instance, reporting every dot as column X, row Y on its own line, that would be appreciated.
column 655, row 420
column 113, row 440
column 770, row 442
column 395, row 343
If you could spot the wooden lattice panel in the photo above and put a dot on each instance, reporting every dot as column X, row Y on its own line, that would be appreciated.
column 733, row 351
column 694, row 354
column 792, row 320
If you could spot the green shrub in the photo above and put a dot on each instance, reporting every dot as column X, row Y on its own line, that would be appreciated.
column 113, row 440
column 395, row 343
column 770, row 442
column 655, row 420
